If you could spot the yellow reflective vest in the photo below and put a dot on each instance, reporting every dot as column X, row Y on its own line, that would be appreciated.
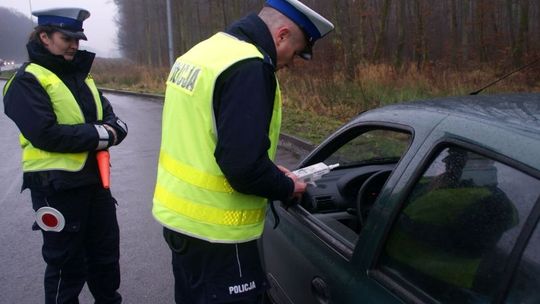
column 192, row 195
column 67, row 111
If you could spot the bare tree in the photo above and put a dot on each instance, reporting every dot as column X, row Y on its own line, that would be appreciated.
column 420, row 39
column 402, row 25
column 455, row 31
column 521, row 41
column 380, row 41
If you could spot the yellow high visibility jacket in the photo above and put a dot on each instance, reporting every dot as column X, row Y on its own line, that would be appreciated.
column 67, row 112
column 192, row 195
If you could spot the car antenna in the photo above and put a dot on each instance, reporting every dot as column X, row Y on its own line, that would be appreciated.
column 505, row 76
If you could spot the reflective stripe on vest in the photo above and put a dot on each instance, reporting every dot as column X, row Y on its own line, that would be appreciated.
column 192, row 195
column 6, row 86
column 67, row 112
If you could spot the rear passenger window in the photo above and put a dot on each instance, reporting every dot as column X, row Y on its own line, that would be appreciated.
column 457, row 228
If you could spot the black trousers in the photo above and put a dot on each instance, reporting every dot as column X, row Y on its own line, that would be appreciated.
column 86, row 250
column 207, row 272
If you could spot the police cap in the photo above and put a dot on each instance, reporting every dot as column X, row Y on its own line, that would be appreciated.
column 68, row 21
column 312, row 23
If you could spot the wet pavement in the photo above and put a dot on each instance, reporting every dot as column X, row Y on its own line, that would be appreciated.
column 145, row 259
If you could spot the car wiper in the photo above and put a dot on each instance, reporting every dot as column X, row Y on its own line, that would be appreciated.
column 392, row 159
column 376, row 160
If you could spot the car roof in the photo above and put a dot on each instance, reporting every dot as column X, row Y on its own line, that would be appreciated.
column 506, row 123
column 518, row 111
column 514, row 110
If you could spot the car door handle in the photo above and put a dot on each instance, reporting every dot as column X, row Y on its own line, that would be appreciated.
column 320, row 291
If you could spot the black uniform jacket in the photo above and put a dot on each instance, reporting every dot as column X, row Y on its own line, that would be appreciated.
column 29, row 106
column 243, row 103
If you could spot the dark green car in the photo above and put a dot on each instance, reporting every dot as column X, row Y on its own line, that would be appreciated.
column 433, row 202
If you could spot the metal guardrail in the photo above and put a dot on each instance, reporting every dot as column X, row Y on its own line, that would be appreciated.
column 300, row 147
column 157, row 97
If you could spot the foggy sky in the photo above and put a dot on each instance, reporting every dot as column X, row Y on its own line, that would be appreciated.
column 100, row 28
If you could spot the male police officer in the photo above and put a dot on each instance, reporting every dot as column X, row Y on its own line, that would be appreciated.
column 221, row 122
column 63, row 120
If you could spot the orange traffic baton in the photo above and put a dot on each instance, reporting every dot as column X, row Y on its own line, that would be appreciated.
column 103, row 162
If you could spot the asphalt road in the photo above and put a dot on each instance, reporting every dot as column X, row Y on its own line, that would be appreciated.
column 145, row 259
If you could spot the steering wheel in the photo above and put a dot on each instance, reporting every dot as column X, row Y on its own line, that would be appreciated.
column 368, row 193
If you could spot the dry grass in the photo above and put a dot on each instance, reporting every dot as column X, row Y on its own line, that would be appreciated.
column 312, row 95
column 378, row 85
column 124, row 75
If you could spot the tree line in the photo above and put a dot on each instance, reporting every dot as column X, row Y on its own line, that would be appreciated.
column 14, row 29
column 457, row 33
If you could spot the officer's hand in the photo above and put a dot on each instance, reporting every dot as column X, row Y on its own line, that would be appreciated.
column 299, row 187
column 283, row 169
column 118, row 128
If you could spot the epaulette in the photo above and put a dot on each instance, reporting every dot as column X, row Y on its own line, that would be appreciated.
column 21, row 69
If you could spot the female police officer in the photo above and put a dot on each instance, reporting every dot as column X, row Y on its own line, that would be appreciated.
column 64, row 120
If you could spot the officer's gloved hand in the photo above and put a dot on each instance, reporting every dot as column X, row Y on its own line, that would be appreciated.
column 118, row 128
column 106, row 136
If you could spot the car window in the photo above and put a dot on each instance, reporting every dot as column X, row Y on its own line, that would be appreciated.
column 458, row 226
column 372, row 146
column 527, row 278
column 361, row 153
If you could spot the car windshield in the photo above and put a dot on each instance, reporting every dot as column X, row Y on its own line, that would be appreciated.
column 372, row 147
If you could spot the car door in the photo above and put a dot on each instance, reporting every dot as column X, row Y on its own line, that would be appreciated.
column 308, row 248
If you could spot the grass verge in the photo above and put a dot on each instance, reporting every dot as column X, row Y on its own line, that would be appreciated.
column 317, row 101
